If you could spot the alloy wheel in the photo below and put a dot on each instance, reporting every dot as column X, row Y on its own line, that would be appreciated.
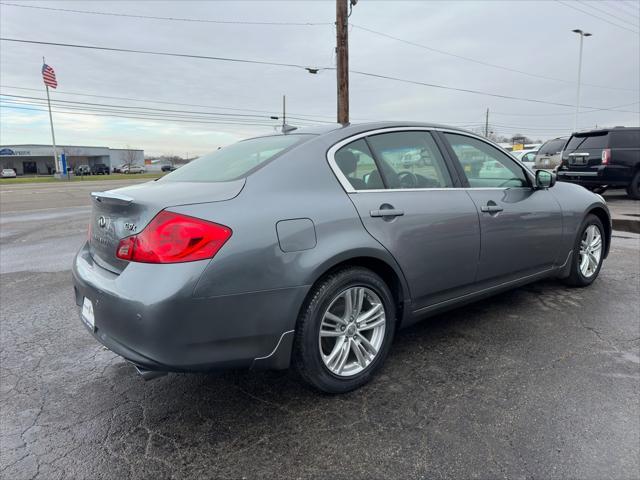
column 352, row 331
column 590, row 251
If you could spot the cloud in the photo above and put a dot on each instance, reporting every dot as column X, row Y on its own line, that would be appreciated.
column 527, row 35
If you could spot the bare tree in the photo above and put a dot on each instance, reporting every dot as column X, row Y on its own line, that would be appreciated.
column 129, row 156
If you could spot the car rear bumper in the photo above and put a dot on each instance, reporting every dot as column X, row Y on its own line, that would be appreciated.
column 602, row 175
column 159, row 325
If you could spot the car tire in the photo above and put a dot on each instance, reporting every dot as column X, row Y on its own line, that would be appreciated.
column 578, row 276
column 312, row 353
column 633, row 190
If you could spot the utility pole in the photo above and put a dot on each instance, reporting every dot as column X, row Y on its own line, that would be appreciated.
column 486, row 125
column 342, row 56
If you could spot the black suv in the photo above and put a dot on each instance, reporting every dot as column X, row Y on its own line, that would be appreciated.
column 604, row 158
column 100, row 169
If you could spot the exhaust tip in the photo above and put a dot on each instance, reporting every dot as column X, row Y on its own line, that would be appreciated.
column 148, row 374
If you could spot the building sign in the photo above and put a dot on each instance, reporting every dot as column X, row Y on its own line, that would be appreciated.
column 8, row 151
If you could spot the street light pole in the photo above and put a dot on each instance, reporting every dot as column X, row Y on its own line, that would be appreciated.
column 582, row 35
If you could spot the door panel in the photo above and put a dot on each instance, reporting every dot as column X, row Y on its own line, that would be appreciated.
column 521, row 227
column 521, row 236
column 434, row 236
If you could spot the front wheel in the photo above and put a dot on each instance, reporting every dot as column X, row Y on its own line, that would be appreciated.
column 588, row 253
column 345, row 330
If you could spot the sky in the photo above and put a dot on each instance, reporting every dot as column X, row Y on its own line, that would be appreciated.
column 446, row 43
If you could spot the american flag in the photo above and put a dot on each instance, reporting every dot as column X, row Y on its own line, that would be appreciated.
column 49, row 76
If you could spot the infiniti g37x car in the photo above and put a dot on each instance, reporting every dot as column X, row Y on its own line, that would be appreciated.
column 310, row 249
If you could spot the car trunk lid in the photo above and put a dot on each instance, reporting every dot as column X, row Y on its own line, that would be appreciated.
column 126, row 211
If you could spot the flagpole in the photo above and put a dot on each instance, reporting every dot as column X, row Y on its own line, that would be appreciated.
column 53, row 135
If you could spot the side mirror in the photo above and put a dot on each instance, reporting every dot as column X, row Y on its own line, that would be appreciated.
column 545, row 179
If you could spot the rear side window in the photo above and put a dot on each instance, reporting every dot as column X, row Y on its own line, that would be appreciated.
column 410, row 160
column 552, row 147
column 356, row 163
column 234, row 161
column 629, row 139
column 596, row 141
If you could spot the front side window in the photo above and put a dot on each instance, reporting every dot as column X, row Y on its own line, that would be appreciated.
column 234, row 161
column 484, row 165
column 410, row 160
column 356, row 163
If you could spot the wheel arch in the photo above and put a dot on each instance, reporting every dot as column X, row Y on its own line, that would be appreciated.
column 373, row 260
column 604, row 217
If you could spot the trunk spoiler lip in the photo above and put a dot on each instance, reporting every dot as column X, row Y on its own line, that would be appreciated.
column 112, row 197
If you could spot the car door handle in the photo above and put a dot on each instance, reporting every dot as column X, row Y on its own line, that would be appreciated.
column 492, row 209
column 387, row 212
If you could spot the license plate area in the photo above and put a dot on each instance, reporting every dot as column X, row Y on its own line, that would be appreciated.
column 87, row 314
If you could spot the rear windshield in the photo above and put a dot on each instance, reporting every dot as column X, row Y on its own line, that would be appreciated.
column 552, row 147
column 628, row 139
column 596, row 141
column 234, row 161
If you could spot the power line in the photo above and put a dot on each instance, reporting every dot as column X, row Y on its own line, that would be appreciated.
column 167, row 54
column 620, row 19
column 269, row 112
column 465, row 90
column 367, row 74
column 181, row 19
column 480, row 62
column 144, row 118
column 163, row 110
column 596, row 16
column 613, row 109
column 143, row 113
column 174, row 19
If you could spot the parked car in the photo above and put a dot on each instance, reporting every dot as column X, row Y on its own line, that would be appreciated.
column 8, row 173
column 167, row 168
column 550, row 154
column 603, row 158
column 82, row 170
column 186, row 274
column 133, row 169
column 527, row 157
column 99, row 169
column 118, row 168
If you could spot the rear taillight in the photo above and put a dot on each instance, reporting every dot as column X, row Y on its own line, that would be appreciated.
column 606, row 156
column 172, row 238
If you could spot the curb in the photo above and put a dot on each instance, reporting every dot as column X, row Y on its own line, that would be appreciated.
column 626, row 225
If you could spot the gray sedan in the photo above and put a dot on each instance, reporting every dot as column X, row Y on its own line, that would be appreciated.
column 310, row 249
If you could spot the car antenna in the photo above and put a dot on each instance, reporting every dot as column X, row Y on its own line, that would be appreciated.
column 286, row 128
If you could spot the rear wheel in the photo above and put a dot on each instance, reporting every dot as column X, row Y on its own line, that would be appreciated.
column 345, row 330
column 588, row 253
column 633, row 190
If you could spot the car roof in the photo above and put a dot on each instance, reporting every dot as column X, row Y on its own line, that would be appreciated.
column 354, row 128
column 598, row 131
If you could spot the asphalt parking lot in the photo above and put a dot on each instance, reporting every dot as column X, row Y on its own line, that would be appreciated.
column 541, row 382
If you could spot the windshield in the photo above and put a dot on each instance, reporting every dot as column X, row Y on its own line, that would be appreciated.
column 234, row 161
column 552, row 147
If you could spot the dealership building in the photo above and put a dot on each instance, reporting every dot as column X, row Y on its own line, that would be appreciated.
column 38, row 159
